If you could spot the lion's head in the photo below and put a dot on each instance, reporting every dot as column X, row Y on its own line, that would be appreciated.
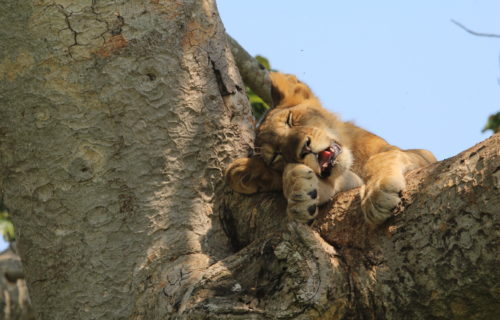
column 297, row 130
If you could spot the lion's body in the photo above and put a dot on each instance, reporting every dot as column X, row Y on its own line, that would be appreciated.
column 310, row 154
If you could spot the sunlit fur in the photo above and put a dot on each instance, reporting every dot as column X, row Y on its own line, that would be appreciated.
column 299, row 119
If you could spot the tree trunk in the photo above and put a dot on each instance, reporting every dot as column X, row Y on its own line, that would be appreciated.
column 118, row 120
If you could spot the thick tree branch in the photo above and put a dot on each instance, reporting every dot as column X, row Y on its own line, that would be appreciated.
column 253, row 73
column 436, row 259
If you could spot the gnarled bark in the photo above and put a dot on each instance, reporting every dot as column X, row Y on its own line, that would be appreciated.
column 435, row 260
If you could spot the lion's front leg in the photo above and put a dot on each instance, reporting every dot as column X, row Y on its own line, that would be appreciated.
column 300, row 187
column 381, row 195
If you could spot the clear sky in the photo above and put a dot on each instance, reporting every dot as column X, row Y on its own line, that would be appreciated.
column 400, row 69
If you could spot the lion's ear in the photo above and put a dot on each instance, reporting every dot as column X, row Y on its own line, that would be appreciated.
column 251, row 175
column 287, row 91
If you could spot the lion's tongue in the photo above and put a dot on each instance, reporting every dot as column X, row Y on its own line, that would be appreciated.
column 324, row 158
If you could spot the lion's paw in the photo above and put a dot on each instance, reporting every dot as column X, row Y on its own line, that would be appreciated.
column 381, row 198
column 300, row 187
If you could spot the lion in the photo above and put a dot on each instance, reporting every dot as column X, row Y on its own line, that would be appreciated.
column 310, row 155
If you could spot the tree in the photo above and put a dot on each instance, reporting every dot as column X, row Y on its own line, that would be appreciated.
column 121, row 119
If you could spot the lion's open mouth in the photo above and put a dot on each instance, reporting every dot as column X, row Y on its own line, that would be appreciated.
column 326, row 159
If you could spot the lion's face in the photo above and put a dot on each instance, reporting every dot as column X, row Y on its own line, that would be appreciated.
column 297, row 131
column 302, row 134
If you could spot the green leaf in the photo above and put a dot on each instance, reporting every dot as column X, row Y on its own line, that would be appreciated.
column 263, row 61
column 493, row 123
column 259, row 107
column 6, row 226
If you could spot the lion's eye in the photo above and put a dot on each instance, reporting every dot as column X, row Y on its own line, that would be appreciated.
column 276, row 157
column 289, row 120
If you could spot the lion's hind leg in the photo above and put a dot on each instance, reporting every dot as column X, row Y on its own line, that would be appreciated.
column 421, row 156
column 252, row 175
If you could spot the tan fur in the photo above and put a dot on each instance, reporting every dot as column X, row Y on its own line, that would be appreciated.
column 299, row 123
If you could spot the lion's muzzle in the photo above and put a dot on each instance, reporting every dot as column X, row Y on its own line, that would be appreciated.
column 326, row 159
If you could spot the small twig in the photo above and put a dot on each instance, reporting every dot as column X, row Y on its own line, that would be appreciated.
column 479, row 34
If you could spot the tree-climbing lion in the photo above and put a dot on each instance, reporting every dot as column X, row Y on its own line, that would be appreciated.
column 310, row 154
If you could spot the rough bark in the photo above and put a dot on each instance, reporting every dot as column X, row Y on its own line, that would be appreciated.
column 117, row 121
column 253, row 73
column 438, row 259
column 121, row 118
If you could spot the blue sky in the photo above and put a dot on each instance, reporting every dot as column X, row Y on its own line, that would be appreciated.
column 400, row 69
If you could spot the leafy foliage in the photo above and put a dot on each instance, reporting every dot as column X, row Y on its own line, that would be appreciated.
column 264, row 62
column 6, row 226
column 259, row 107
column 493, row 123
